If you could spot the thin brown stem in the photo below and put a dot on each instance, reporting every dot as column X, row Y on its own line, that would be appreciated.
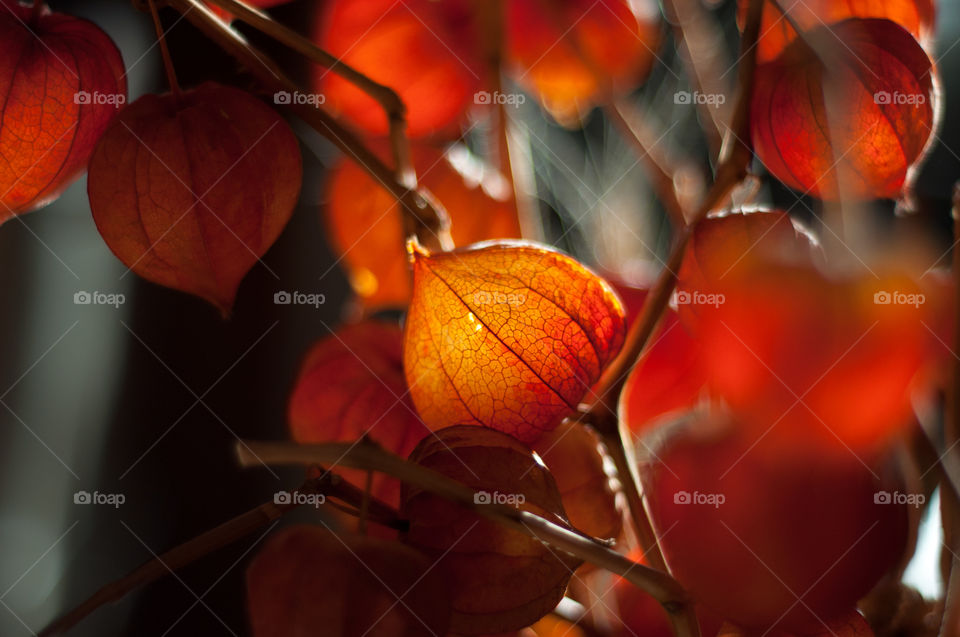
column 422, row 217
column 330, row 485
column 172, row 560
column 735, row 157
column 369, row 456
column 389, row 100
column 602, row 413
column 629, row 480
column 164, row 50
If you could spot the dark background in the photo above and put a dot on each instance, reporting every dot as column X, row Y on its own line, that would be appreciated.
column 148, row 400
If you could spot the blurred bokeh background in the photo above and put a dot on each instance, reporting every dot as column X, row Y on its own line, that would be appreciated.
column 148, row 398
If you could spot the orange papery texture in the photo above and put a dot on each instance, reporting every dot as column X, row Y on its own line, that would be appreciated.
column 501, row 579
column 190, row 191
column 351, row 385
column 820, row 361
column 810, row 356
column 574, row 54
column 727, row 243
column 777, row 27
column 752, row 529
column 669, row 377
column 846, row 112
column 574, row 457
column 425, row 51
column 307, row 581
column 510, row 336
column 366, row 228
column 61, row 81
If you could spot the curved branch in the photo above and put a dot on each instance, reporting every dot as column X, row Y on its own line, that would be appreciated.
column 367, row 455
column 422, row 217
column 735, row 157
column 388, row 99
column 330, row 485
column 734, row 160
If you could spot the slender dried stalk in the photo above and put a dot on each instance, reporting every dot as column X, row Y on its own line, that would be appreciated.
column 734, row 159
column 330, row 485
column 164, row 50
column 602, row 413
column 388, row 99
column 425, row 219
column 367, row 455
